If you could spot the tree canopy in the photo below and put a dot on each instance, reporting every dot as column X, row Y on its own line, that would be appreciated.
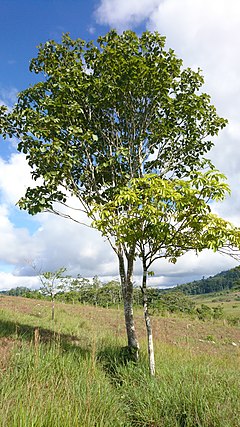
column 107, row 113
column 165, row 218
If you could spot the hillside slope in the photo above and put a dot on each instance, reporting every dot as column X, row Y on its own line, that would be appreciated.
column 229, row 279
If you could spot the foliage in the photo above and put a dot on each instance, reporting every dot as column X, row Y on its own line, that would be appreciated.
column 165, row 218
column 173, row 302
column 18, row 291
column 229, row 279
column 3, row 116
column 205, row 312
column 106, row 113
column 53, row 282
column 108, row 294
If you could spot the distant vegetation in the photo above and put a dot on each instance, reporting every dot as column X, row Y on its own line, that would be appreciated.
column 109, row 294
column 229, row 279
column 161, row 302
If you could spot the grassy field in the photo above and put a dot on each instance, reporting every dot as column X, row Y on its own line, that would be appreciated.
column 228, row 300
column 73, row 372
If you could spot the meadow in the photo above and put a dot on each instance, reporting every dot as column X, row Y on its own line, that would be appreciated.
column 73, row 372
column 228, row 300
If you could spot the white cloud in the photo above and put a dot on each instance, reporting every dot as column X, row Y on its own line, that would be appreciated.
column 204, row 34
column 16, row 243
column 207, row 34
column 57, row 242
column 121, row 13
column 81, row 249
column 9, row 281
column 14, row 178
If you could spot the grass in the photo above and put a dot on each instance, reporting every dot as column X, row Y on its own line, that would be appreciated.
column 52, row 387
column 74, row 373
column 229, row 300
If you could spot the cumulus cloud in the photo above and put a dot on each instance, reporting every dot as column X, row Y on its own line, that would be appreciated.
column 57, row 242
column 14, row 178
column 9, row 281
column 121, row 13
column 81, row 249
column 54, row 242
column 206, row 35
column 16, row 243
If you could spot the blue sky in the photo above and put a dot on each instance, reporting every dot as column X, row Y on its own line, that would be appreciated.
column 25, row 24
column 203, row 33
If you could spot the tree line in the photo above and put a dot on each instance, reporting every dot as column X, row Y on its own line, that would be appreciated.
column 109, row 295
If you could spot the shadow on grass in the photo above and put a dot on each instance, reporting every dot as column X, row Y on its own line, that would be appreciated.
column 36, row 335
column 112, row 358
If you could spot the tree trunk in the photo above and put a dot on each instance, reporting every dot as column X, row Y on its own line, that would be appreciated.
column 127, row 292
column 53, row 308
column 151, row 357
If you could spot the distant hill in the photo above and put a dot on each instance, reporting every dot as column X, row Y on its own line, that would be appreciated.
column 225, row 280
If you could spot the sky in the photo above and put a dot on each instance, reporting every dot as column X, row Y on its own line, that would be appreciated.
column 204, row 33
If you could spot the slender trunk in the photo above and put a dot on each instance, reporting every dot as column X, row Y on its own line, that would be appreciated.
column 53, row 307
column 127, row 291
column 151, row 357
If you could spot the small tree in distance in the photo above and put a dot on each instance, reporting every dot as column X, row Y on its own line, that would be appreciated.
column 53, row 283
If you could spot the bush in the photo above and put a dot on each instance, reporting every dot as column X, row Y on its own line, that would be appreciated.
column 173, row 302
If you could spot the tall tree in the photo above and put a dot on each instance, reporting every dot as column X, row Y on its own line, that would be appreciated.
column 106, row 113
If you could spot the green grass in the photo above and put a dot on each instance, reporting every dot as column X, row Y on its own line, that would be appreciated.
column 73, row 373
column 188, row 391
column 229, row 301
column 51, row 387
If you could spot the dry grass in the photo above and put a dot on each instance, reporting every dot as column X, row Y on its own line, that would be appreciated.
column 6, row 347
column 213, row 337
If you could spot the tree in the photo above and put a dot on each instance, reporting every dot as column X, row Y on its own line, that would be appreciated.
column 105, row 114
column 52, row 283
column 21, row 291
column 165, row 218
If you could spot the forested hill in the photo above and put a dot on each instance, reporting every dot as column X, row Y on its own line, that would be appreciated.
column 225, row 280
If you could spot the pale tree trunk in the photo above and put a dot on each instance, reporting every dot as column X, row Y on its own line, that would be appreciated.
column 127, row 291
column 151, row 357
column 53, row 307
